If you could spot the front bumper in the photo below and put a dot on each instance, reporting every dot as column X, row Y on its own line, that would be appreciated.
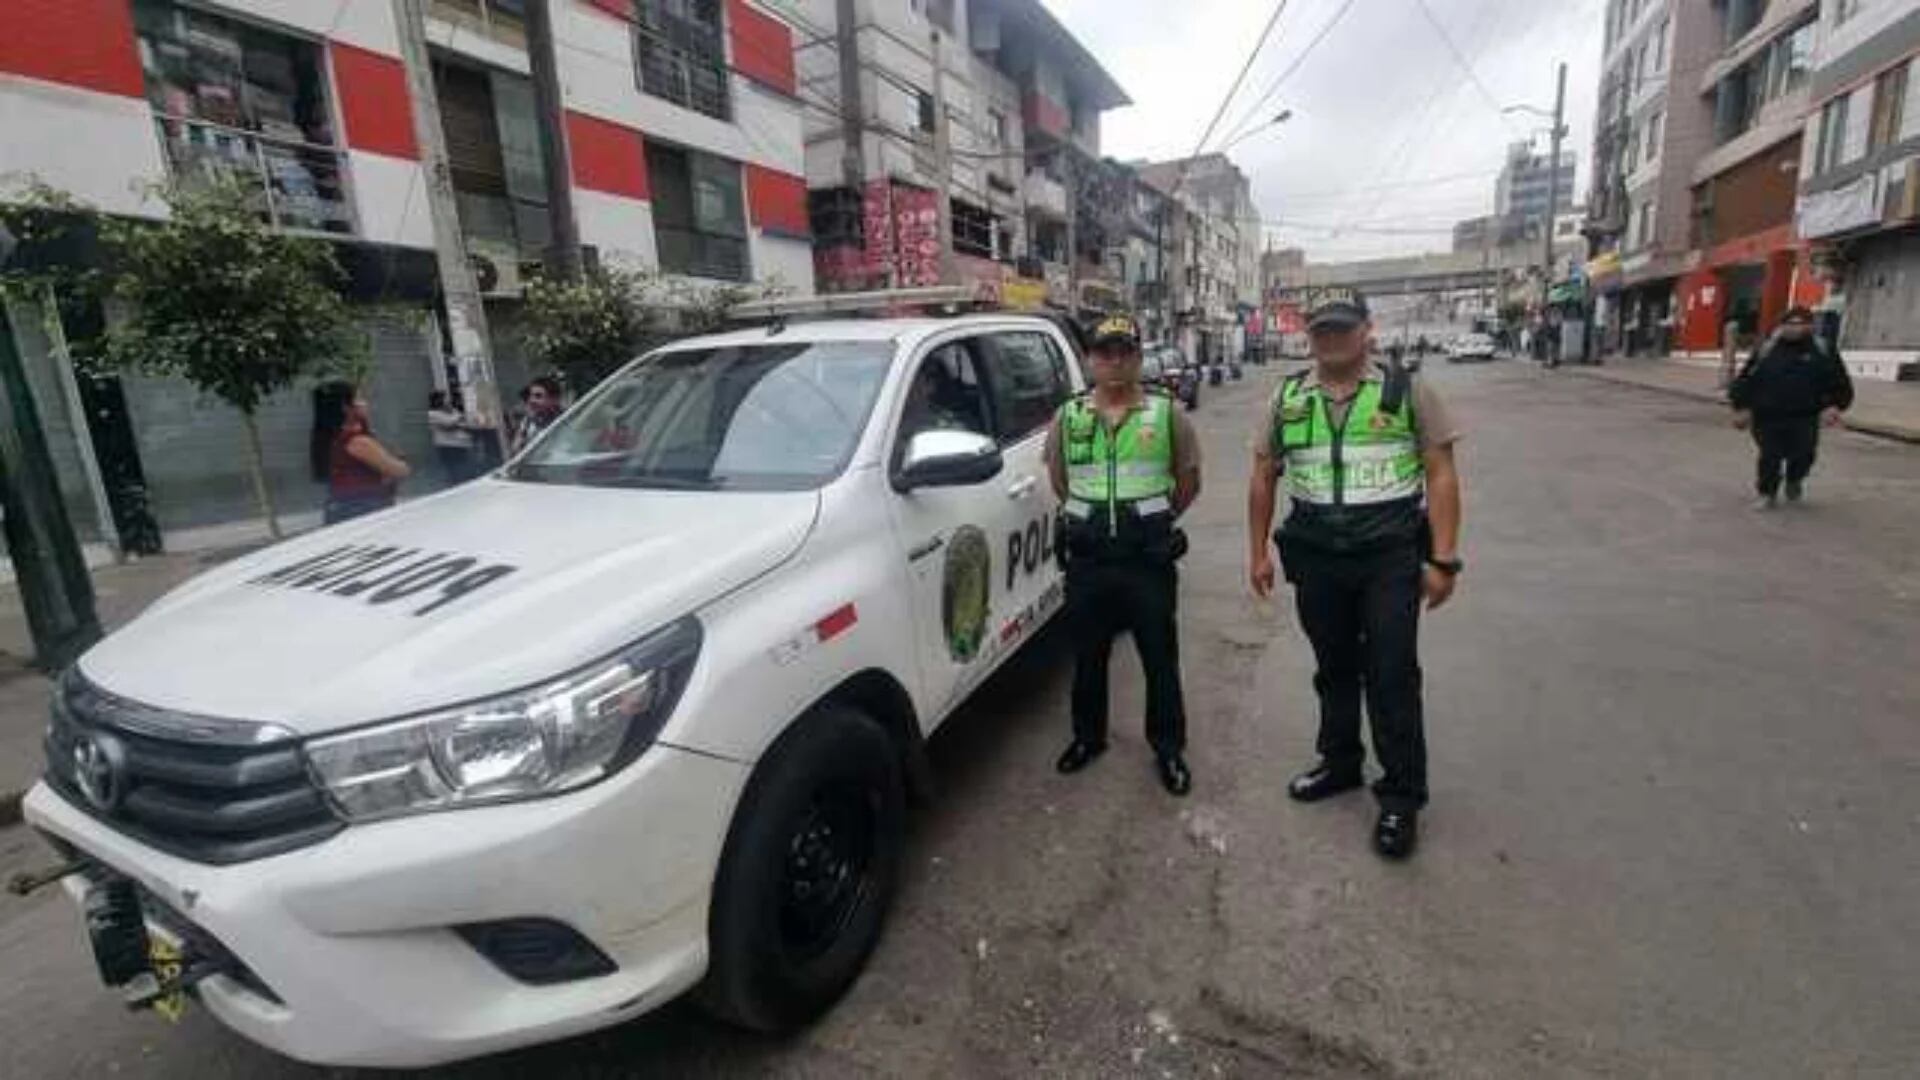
column 352, row 935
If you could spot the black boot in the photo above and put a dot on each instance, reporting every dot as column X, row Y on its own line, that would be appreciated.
column 1395, row 835
column 1174, row 775
column 1078, row 755
column 1323, row 781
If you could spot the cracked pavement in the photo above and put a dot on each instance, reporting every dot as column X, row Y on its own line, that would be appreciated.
column 1675, row 827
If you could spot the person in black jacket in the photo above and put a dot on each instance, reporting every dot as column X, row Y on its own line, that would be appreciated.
column 1787, row 388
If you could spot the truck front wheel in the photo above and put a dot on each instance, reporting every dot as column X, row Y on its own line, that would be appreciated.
column 808, row 873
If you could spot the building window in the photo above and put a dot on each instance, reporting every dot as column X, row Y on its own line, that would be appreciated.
column 494, row 156
column 1847, row 9
column 501, row 20
column 234, row 102
column 1659, row 41
column 699, row 221
column 680, row 54
column 973, row 229
column 1633, row 149
column 1889, row 100
column 1833, row 135
column 1910, row 110
column 1653, row 135
column 925, row 103
column 997, row 127
column 1789, row 62
column 1643, row 226
column 940, row 14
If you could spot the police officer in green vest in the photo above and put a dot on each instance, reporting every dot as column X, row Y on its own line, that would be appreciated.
column 1366, row 453
column 1125, row 464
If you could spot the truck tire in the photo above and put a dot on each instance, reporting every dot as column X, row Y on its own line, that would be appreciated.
column 808, row 873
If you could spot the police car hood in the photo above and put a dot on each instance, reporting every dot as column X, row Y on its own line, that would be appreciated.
column 488, row 588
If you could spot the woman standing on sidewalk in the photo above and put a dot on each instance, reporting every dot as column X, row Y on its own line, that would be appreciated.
column 360, row 474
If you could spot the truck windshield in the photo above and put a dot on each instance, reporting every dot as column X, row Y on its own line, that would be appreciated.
column 775, row 417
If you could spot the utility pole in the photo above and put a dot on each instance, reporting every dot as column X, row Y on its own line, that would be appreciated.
column 1073, row 212
column 50, row 571
column 846, row 30
column 943, row 166
column 469, row 338
column 1553, row 180
column 563, row 253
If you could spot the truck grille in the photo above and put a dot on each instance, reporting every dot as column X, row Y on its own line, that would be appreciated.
column 209, row 790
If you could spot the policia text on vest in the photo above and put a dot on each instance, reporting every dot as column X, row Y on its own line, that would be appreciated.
column 1365, row 454
column 1125, row 463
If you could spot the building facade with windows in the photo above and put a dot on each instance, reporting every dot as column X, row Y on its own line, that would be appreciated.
column 1034, row 209
column 1650, row 129
column 1219, row 269
column 685, row 141
column 1859, row 190
column 1748, row 264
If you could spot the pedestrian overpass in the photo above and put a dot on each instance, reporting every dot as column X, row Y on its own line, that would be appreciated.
column 1453, row 272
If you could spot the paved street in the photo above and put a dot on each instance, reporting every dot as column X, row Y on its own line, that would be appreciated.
column 1675, row 831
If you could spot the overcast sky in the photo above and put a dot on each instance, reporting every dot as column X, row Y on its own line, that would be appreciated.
column 1380, row 102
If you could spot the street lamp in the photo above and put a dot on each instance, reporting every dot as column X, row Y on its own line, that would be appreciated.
column 1279, row 118
column 1534, row 109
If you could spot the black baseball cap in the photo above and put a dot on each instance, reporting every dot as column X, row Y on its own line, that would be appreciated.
column 1118, row 330
column 1336, row 309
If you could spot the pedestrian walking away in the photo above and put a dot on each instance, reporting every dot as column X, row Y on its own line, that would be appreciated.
column 1367, row 455
column 361, row 474
column 1126, row 465
column 1789, row 386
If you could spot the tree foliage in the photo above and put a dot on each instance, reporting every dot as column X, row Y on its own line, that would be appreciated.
column 217, row 297
column 587, row 328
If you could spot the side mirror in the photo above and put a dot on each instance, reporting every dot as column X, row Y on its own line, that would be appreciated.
column 948, row 459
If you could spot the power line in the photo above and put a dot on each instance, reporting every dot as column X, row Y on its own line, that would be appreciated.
column 1274, row 87
column 1239, row 79
column 1467, row 68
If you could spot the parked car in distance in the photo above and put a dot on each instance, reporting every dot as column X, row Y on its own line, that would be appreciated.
column 1470, row 347
column 1166, row 366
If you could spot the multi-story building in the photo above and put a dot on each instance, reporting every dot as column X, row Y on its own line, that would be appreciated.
column 1219, row 274
column 1650, row 129
column 685, row 144
column 1529, row 184
column 1859, row 199
column 1748, row 265
column 1031, row 202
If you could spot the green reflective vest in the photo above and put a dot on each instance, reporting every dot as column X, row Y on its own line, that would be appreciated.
column 1356, row 484
column 1127, row 465
column 1372, row 457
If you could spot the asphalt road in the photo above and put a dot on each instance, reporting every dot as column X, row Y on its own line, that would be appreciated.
column 1675, row 830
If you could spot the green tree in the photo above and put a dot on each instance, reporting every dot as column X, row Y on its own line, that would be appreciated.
column 587, row 328
column 215, row 296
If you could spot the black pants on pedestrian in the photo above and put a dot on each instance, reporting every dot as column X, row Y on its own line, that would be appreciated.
column 1785, row 441
column 1104, row 598
column 1362, row 614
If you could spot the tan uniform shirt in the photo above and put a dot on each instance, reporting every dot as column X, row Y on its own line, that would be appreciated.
column 1433, row 421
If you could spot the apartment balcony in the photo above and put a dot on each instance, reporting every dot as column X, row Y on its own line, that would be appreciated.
column 1046, row 196
column 294, row 184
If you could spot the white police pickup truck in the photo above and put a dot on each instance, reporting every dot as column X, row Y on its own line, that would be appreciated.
column 637, row 714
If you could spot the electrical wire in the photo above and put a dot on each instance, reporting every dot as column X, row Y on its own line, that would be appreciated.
column 1261, row 43
column 1465, row 67
column 1241, row 129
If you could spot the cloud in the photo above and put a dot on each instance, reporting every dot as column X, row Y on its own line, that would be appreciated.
column 1379, row 103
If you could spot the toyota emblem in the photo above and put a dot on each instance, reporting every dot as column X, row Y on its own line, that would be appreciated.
column 99, row 767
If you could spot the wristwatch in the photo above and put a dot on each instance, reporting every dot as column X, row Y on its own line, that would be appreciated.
column 1451, row 566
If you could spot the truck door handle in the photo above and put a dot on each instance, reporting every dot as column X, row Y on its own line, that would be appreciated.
column 1023, row 487
column 932, row 544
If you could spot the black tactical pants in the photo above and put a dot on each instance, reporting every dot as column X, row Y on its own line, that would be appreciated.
column 1785, row 441
column 1104, row 598
column 1362, row 614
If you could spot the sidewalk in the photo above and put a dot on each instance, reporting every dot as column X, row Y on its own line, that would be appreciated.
column 120, row 593
column 1888, row 409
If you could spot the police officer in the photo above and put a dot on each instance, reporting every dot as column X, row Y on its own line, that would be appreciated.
column 1125, row 464
column 1367, row 455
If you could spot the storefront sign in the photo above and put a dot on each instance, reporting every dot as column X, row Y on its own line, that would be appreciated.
column 1850, row 206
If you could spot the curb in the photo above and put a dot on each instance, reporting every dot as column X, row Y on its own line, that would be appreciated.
column 1877, row 429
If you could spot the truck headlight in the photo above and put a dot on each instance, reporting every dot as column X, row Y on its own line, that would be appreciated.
column 531, row 743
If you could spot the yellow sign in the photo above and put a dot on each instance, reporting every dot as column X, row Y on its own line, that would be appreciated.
column 1023, row 294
